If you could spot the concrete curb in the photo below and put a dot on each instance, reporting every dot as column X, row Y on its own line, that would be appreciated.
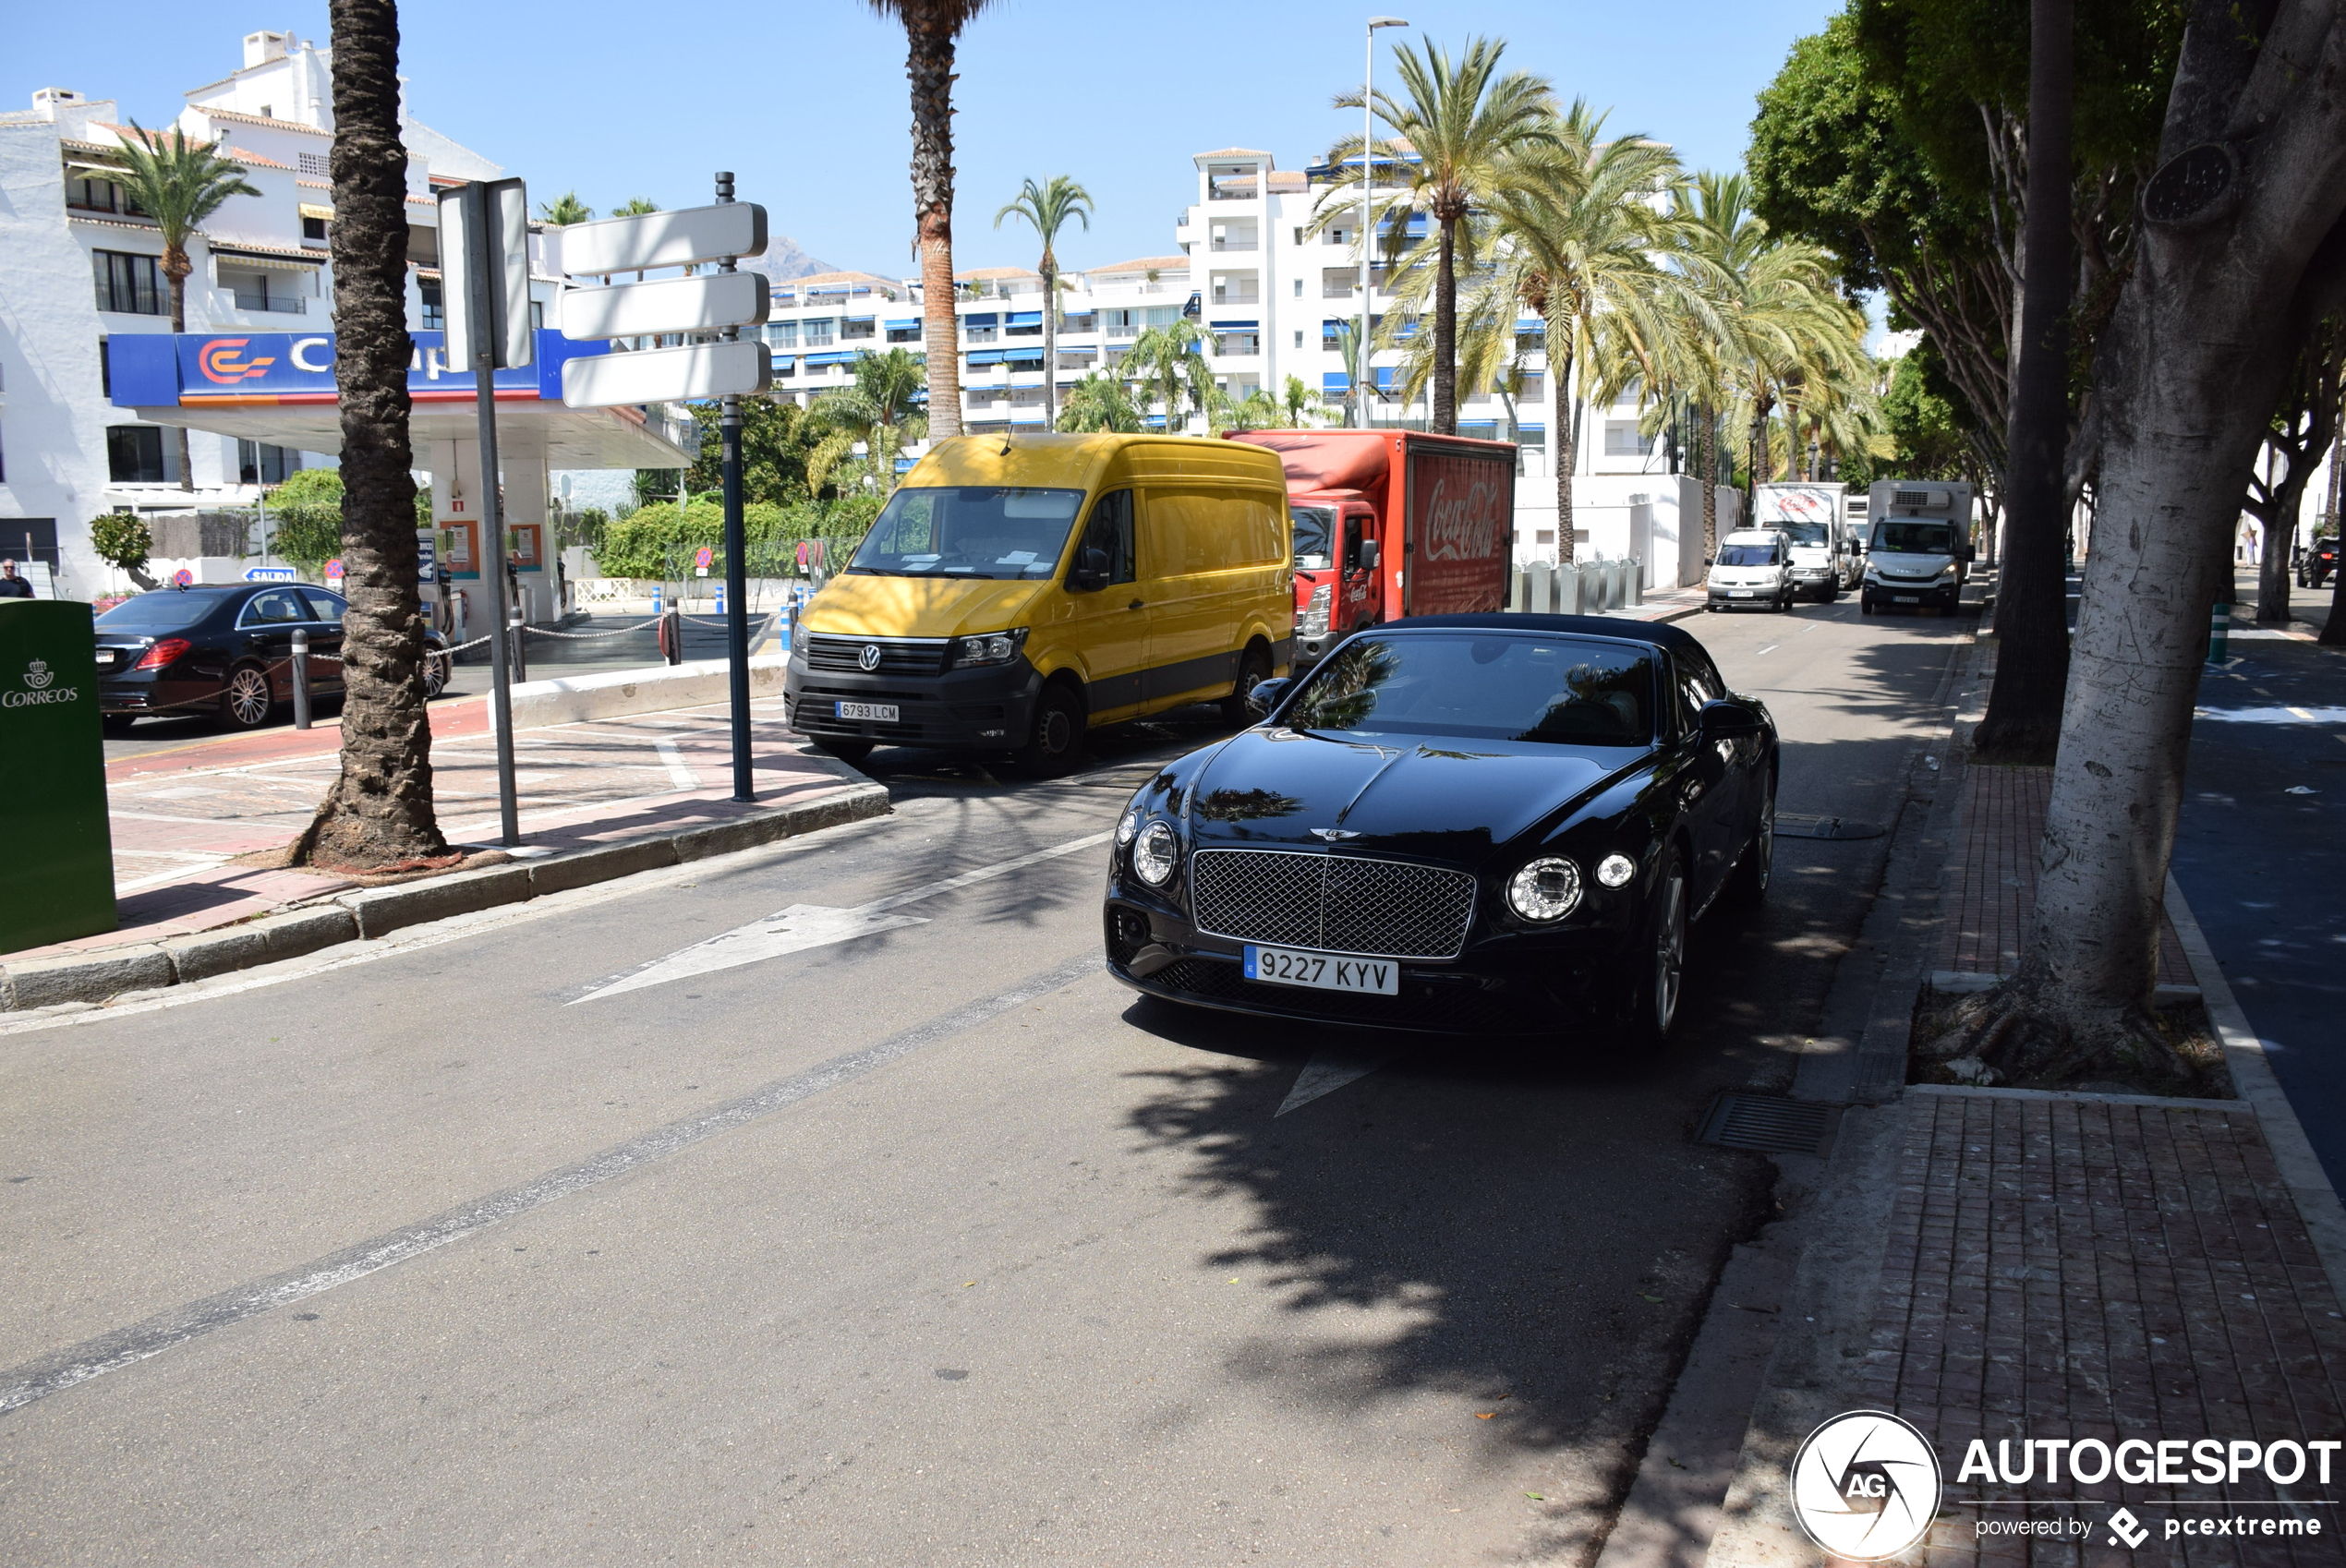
column 2253, row 1081
column 372, row 912
column 612, row 693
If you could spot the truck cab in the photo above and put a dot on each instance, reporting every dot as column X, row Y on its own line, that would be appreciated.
column 1337, row 549
column 1919, row 548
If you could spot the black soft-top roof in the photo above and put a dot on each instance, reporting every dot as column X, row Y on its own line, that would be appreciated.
column 1622, row 630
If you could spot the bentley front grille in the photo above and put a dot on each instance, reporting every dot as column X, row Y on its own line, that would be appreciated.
column 1333, row 903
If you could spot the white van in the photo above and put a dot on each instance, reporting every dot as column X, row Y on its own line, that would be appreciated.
column 1753, row 568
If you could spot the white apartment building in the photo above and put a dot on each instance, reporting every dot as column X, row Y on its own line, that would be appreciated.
column 84, row 267
column 1269, row 295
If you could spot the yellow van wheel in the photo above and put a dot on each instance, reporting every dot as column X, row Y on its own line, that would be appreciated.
column 1254, row 668
column 1055, row 743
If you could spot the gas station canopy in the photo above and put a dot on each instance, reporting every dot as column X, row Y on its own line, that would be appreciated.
column 279, row 387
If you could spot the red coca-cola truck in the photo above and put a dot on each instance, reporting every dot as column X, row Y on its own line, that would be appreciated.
column 1392, row 523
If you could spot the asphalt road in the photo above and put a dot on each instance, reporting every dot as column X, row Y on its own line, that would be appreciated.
column 931, row 1244
column 2260, row 853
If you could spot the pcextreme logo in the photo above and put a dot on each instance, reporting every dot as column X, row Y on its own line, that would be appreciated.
column 1865, row 1486
column 222, row 362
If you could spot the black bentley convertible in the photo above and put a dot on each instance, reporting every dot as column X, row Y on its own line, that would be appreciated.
column 1489, row 824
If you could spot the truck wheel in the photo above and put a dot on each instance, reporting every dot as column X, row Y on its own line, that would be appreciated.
column 1055, row 743
column 1254, row 668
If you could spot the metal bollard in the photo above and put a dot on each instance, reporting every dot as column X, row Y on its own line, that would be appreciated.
column 671, row 623
column 2219, row 624
column 301, row 680
column 520, row 660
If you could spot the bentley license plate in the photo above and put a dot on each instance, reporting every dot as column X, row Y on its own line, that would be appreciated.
column 1322, row 972
column 884, row 713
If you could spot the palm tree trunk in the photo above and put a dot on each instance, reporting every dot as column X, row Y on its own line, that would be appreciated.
column 1707, row 466
column 176, row 267
column 1050, row 342
column 378, row 815
column 1792, row 440
column 1567, row 434
column 929, row 64
column 2023, row 724
column 1445, row 333
column 2334, row 629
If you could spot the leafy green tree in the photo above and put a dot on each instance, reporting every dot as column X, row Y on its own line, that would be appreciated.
column 777, row 441
column 880, row 407
column 565, row 208
column 305, row 517
column 123, row 541
column 1047, row 208
column 178, row 184
column 1168, row 365
column 1464, row 125
column 932, row 31
column 1100, row 403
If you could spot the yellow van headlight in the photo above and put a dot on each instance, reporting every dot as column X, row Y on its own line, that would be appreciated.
column 993, row 648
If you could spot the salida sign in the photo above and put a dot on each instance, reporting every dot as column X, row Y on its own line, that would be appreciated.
column 1461, row 507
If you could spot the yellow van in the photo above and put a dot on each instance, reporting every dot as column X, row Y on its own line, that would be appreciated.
column 1017, row 588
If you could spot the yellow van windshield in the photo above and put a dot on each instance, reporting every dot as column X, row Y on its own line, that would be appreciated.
column 969, row 531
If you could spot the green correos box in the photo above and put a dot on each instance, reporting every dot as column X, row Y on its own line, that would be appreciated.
column 56, row 877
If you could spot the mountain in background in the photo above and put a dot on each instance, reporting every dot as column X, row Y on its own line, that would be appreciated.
column 784, row 261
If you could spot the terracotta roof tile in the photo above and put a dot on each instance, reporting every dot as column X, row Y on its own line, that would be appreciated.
column 234, row 117
column 255, row 158
column 1162, row 263
column 819, row 279
column 987, row 274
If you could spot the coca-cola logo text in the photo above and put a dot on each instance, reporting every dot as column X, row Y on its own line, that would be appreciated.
column 1462, row 527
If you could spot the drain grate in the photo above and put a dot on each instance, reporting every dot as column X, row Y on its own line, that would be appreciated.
column 1765, row 1122
column 1800, row 825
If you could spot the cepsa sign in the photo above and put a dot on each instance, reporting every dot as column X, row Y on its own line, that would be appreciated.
column 295, row 367
column 1462, row 510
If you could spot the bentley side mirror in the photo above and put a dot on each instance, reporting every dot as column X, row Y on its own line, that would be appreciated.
column 1368, row 555
column 1723, row 720
column 1089, row 574
column 1266, row 695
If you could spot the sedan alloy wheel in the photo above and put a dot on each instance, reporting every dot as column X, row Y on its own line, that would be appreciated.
column 246, row 702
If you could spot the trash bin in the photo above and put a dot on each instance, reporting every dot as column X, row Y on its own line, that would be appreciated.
column 58, row 878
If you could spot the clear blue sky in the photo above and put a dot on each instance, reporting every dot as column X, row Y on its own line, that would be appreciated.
column 807, row 101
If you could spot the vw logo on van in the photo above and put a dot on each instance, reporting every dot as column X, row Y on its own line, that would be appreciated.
column 869, row 658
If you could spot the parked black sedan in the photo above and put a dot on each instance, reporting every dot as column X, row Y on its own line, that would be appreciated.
column 224, row 649
column 1489, row 824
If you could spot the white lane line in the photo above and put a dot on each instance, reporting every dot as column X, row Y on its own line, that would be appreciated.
column 1769, row 649
column 1329, row 1071
column 800, row 926
column 680, row 773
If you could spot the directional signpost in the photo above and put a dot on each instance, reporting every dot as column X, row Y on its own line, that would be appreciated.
column 484, row 239
column 728, row 369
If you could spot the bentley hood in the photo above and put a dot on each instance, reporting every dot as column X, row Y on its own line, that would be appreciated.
column 1443, row 797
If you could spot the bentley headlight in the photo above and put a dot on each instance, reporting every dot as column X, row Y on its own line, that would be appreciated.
column 1129, row 826
column 994, row 647
column 1545, row 890
column 1154, row 853
column 1614, row 871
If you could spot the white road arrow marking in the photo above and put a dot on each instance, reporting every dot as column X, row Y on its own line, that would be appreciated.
column 800, row 926
column 1328, row 1072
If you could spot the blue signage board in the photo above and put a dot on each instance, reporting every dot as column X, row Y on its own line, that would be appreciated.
column 268, row 575
column 248, row 369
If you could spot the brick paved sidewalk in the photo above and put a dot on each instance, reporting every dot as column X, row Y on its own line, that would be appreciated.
column 176, row 832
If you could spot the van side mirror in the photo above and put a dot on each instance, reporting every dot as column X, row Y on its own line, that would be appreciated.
column 1089, row 574
column 1266, row 695
column 1368, row 555
column 1963, row 552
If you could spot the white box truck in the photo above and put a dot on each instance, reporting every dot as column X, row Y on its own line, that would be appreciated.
column 1918, row 545
column 1814, row 514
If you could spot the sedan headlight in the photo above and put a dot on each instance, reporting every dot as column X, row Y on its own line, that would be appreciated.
column 994, row 647
column 1546, row 889
column 1154, row 853
column 1313, row 621
column 1130, row 826
column 1614, row 871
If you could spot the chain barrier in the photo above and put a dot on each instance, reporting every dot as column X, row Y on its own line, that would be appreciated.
column 591, row 636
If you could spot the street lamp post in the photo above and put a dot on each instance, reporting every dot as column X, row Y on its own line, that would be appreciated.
column 1362, row 375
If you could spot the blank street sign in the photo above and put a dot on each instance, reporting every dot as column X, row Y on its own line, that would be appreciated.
column 663, row 239
column 667, row 375
column 508, row 241
column 670, row 304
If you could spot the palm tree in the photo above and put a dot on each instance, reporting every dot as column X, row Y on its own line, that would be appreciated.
column 1169, row 363
column 565, row 208
column 1463, row 125
column 378, row 815
column 1100, row 403
column 931, row 29
column 1580, row 242
column 880, row 408
column 178, row 184
column 1048, row 207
